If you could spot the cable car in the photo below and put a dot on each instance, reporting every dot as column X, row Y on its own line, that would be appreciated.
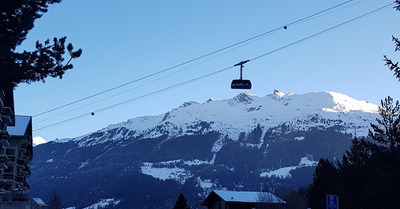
column 241, row 83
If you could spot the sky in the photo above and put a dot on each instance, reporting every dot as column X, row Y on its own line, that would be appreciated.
column 125, row 41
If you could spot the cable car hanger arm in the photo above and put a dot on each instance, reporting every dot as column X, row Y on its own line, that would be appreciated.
column 241, row 63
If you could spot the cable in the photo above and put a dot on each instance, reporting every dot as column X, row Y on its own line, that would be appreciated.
column 318, row 13
column 134, row 99
column 324, row 31
column 215, row 72
column 37, row 122
column 198, row 58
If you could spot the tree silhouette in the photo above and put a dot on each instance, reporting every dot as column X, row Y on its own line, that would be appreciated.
column 55, row 201
column 367, row 177
column 181, row 203
column 16, row 20
column 325, row 181
column 387, row 131
column 394, row 66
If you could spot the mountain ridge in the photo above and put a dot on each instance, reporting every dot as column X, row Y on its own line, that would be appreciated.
column 269, row 111
column 238, row 144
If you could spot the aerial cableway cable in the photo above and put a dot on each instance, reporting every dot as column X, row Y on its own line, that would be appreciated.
column 136, row 87
column 134, row 99
column 218, row 71
column 324, row 31
column 244, row 42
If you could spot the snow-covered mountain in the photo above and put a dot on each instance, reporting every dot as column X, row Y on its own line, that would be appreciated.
column 38, row 140
column 243, row 113
column 237, row 143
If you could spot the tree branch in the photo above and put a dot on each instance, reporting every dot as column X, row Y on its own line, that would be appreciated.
column 392, row 66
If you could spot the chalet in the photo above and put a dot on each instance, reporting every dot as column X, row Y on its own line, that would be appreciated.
column 220, row 199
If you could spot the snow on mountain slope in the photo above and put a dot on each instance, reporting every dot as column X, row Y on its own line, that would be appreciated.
column 243, row 113
column 285, row 171
column 38, row 140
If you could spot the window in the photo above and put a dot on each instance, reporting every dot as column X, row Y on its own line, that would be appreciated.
column 10, row 152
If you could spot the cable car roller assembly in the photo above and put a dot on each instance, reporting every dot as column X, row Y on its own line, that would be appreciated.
column 241, row 83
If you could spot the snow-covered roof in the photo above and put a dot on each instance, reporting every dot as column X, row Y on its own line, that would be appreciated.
column 39, row 202
column 249, row 197
column 21, row 124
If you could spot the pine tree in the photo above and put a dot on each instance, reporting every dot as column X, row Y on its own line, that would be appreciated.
column 181, row 203
column 356, row 174
column 55, row 201
column 394, row 66
column 387, row 132
column 367, row 177
column 16, row 20
column 325, row 181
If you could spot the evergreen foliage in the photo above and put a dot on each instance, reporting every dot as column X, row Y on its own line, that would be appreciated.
column 389, row 134
column 16, row 20
column 181, row 203
column 296, row 199
column 55, row 201
column 367, row 176
column 325, row 181
column 394, row 66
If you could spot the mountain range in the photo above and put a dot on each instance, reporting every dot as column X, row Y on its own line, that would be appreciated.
column 243, row 143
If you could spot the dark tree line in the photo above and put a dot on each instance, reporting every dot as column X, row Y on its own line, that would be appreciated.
column 181, row 203
column 368, row 175
column 55, row 201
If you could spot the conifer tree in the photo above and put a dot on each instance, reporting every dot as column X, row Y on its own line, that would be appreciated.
column 55, row 201
column 325, row 181
column 16, row 20
column 367, row 177
column 356, row 174
column 387, row 131
column 181, row 203
column 394, row 66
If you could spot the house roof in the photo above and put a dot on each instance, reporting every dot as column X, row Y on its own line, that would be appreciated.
column 248, row 197
column 22, row 123
column 39, row 202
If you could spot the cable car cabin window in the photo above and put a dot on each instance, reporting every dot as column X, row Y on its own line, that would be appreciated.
column 241, row 84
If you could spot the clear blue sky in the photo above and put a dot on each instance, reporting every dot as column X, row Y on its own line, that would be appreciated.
column 125, row 40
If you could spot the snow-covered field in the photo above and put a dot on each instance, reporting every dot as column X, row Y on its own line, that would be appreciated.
column 285, row 171
column 101, row 204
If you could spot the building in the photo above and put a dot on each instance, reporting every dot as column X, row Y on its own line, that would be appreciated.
column 15, row 155
column 220, row 199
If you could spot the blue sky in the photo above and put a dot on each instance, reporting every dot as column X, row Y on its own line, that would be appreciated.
column 126, row 40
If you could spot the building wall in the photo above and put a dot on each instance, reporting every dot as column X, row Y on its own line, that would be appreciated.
column 15, row 155
column 23, row 203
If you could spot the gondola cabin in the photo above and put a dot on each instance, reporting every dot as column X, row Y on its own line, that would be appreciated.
column 240, row 84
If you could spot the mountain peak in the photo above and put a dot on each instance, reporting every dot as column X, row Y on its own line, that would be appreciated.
column 244, row 97
column 38, row 140
column 209, row 100
column 242, row 113
column 282, row 94
column 344, row 103
column 188, row 103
